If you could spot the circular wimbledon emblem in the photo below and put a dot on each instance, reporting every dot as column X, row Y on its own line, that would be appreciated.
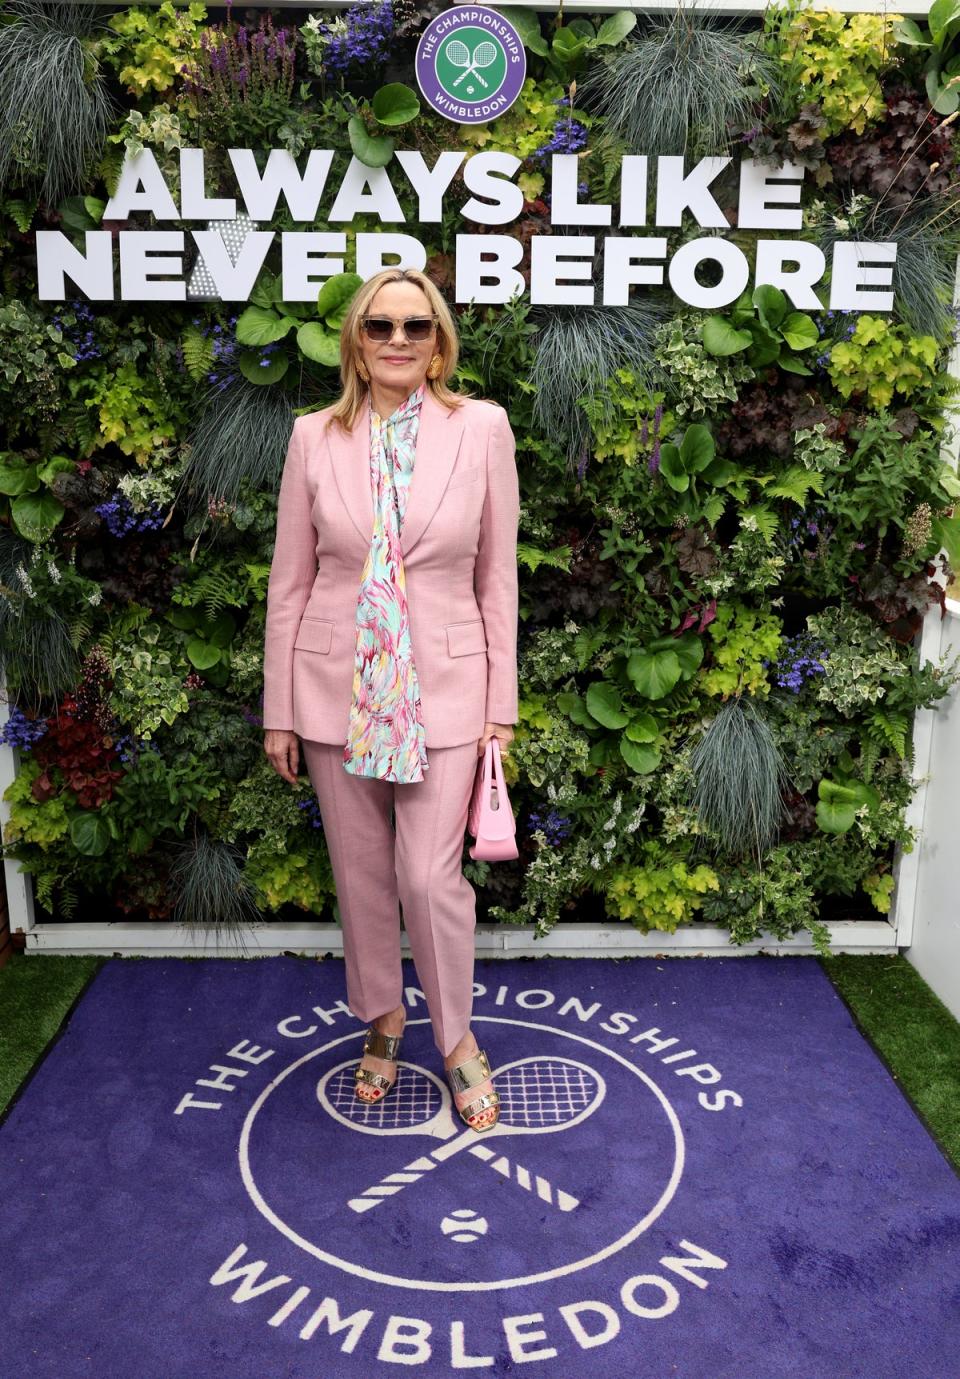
column 470, row 64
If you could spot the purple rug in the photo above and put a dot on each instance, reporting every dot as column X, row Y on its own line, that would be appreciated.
column 702, row 1171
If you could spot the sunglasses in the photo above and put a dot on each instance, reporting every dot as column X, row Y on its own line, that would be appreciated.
column 380, row 328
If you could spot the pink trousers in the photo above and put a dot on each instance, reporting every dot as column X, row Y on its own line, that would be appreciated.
column 417, row 866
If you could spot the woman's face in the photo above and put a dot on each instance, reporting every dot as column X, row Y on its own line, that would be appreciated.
column 398, row 364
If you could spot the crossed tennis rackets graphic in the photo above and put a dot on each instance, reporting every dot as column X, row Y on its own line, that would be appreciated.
column 538, row 1095
column 460, row 55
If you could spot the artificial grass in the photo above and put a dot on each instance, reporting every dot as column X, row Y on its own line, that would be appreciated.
column 912, row 1031
column 36, row 995
column 910, row 1028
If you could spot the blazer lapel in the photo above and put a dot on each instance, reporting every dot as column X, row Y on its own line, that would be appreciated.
column 438, row 444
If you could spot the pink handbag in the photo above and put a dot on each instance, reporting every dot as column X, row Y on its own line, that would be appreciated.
column 490, row 818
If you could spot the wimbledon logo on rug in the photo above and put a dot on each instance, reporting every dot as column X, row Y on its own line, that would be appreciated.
column 389, row 1234
column 470, row 64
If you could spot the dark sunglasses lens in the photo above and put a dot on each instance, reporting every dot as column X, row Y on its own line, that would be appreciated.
column 419, row 328
column 378, row 327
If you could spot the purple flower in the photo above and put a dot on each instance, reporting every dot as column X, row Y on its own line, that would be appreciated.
column 552, row 824
column 368, row 38
column 21, row 731
column 800, row 662
column 121, row 519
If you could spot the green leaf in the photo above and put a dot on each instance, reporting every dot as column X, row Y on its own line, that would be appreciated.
column 17, row 475
column 262, row 326
column 319, row 344
column 372, row 151
column 720, row 338
column 643, row 727
column 615, row 27
column 799, row 331
column 337, row 292
column 946, row 530
column 89, row 833
column 791, row 364
column 654, row 673
column 527, row 24
column 771, row 305
column 720, row 472
column 74, row 214
column 698, row 448
column 688, row 650
column 908, row 32
column 395, row 104
column 574, row 706
column 942, row 13
column 603, row 703
column 839, row 802
column 201, row 654
column 641, row 759
column 257, row 370
column 35, row 515
column 671, row 468
column 567, row 46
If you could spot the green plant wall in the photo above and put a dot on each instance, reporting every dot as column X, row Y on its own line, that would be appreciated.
column 730, row 519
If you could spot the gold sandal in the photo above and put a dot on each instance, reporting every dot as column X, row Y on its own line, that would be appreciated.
column 470, row 1073
column 380, row 1046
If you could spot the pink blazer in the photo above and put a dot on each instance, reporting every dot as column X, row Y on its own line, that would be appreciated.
column 459, row 540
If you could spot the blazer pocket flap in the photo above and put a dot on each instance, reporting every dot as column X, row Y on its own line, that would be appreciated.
column 314, row 634
column 466, row 476
column 466, row 637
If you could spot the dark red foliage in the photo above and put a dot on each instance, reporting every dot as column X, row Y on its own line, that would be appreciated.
column 894, row 159
column 85, row 755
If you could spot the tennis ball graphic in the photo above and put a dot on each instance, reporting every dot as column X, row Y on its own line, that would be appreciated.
column 464, row 1225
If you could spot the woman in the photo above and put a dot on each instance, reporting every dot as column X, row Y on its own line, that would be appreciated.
column 390, row 652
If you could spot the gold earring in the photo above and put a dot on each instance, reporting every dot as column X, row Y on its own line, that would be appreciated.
column 362, row 371
column 435, row 366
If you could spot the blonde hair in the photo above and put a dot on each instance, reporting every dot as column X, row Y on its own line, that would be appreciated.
column 351, row 401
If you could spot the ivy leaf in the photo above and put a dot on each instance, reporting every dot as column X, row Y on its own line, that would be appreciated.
column 654, row 673
column 604, row 704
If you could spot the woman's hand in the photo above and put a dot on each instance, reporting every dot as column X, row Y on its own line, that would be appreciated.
column 503, row 732
column 282, row 747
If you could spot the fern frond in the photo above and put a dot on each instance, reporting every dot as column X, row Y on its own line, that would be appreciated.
column 534, row 556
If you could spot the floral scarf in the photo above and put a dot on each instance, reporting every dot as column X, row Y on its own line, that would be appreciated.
column 385, row 735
